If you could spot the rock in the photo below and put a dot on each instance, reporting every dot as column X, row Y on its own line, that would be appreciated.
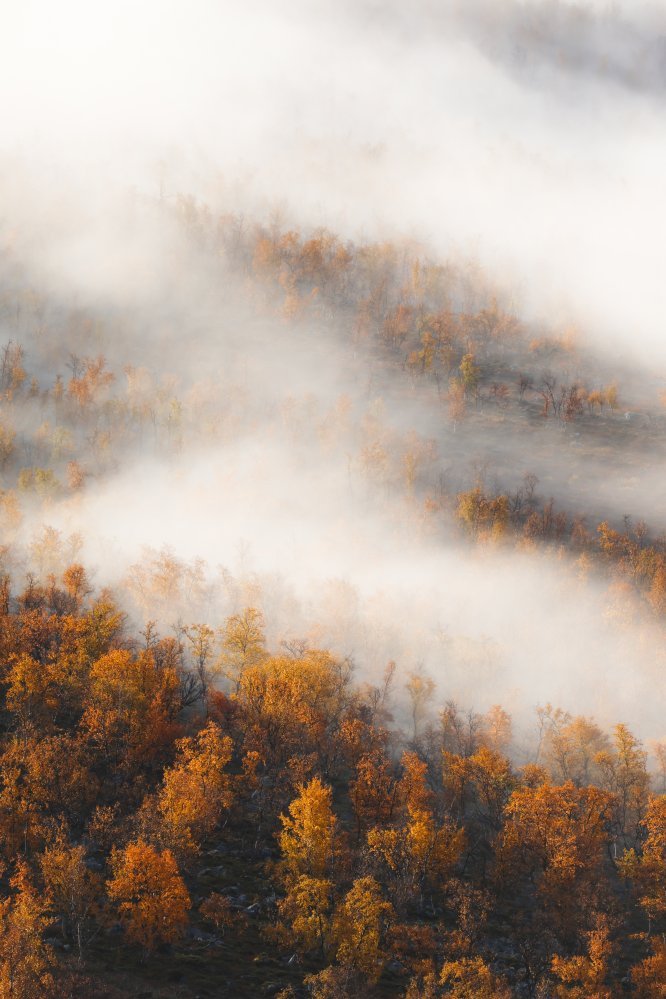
column 201, row 935
column 217, row 851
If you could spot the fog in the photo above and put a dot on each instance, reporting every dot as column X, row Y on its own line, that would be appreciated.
column 524, row 139
column 374, row 118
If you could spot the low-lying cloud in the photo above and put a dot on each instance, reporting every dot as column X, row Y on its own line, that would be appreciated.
column 527, row 137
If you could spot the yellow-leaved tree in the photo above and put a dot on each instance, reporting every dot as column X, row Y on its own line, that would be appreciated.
column 243, row 643
column 471, row 978
column 307, row 840
column 361, row 923
column 306, row 915
column 647, row 868
column 72, row 889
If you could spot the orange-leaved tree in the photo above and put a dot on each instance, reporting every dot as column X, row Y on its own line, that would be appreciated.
column 554, row 841
column 584, row 976
column 150, row 894
column 26, row 961
column 196, row 790
column 419, row 851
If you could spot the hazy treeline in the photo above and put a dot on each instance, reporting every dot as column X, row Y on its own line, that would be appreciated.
column 345, row 417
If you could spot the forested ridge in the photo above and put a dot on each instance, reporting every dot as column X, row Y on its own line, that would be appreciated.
column 501, row 398
column 191, row 806
column 208, row 816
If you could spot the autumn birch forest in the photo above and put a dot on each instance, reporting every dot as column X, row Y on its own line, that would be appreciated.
column 332, row 500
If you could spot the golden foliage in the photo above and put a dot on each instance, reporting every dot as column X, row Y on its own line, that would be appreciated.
column 26, row 962
column 471, row 978
column 585, row 977
column 149, row 893
column 196, row 790
column 648, row 867
column 306, row 914
column 360, row 925
column 307, row 840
